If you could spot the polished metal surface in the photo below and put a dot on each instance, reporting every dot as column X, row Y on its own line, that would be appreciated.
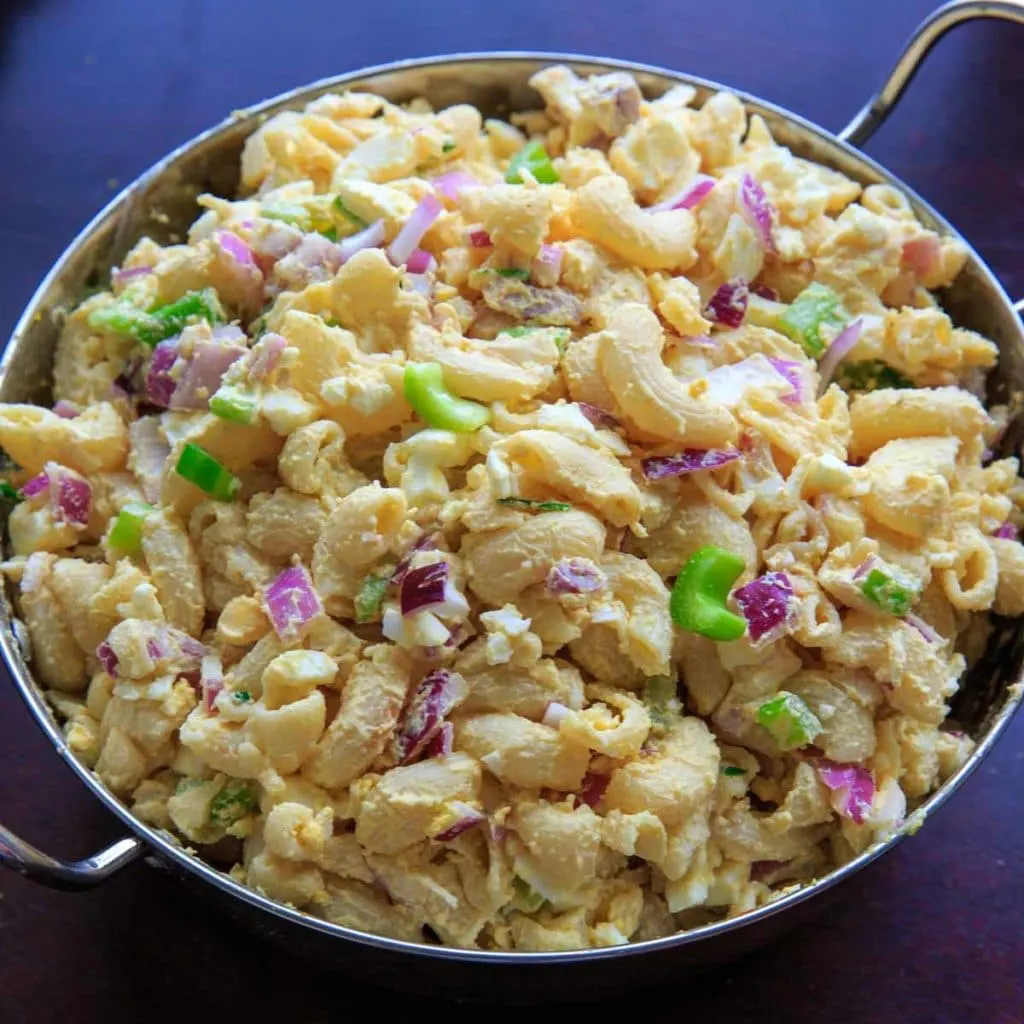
column 162, row 203
column 925, row 36
column 72, row 875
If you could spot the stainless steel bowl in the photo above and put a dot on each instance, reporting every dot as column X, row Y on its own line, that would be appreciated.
column 162, row 204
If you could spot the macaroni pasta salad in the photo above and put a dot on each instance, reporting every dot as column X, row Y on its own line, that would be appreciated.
column 521, row 536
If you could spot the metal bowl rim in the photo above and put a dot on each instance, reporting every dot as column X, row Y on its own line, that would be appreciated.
column 167, row 846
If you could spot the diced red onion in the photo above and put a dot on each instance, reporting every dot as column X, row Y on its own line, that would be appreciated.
column 841, row 345
column 267, row 356
column 406, row 241
column 453, row 182
column 469, row 817
column 690, row 460
column 160, row 384
column 1007, row 531
column 107, row 659
column 765, row 292
column 203, row 374
column 369, row 238
column 921, row 254
column 916, row 622
column 240, row 262
column 546, row 267
column 436, row 696
column 597, row 416
column 155, row 648
column 766, row 604
column 37, row 485
column 273, row 242
column 149, row 454
column 420, row 262
column 442, row 743
column 555, row 714
column 292, row 603
column 793, row 371
column 865, row 567
column 479, row 239
column 123, row 274
column 425, row 543
column 575, row 576
column 211, row 680
column 428, row 588
column 65, row 410
column 688, row 198
column 757, row 210
column 592, row 788
column 73, row 498
column 853, row 788
column 728, row 306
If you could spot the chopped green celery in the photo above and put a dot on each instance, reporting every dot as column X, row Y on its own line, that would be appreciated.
column 340, row 206
column 371, row 597
column 870, row 375
column 290, row 213
column 732, row 770
column 199, row 467
column 762, row 312
column 526, row 898
column 790, row 721
column 701, row 590
column 160, row 323
column 436, row 405
column 238, row 798
column 661, row 699
column 187, row 783
column 892, row 591
column 516, row 272
column 540, row 506
column 815, row 307
column 9, row 493
column 233, row 403
column 126, row 533
column 534, row 158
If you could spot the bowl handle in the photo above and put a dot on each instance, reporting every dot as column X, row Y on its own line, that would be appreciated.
column 927, row 34
column 24, row 858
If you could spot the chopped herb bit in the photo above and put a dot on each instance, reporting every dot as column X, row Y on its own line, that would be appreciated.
column 732, row 770
column 526, row 899
column 8, row 494
column 517, row 272
column 340, row 206
column 540, row 506
column 237, row 799
column 242, row 697
column 448, row 146
column 370, row 597
column 870, row 375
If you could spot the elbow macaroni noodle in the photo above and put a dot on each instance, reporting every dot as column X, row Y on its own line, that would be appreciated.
column 561, row 804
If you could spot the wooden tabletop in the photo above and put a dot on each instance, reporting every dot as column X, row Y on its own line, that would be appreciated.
column 92, row 93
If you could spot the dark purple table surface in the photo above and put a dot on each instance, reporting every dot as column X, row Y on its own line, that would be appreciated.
column 93, row 91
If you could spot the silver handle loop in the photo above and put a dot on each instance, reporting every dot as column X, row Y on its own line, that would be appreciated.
column 40, row 867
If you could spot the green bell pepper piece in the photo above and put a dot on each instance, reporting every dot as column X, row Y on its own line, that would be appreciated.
column 893, row 592
column 540, row 506
column 237, row 799
column 790, row 721
column 371, row 597
column 816, row 306
column 534, row 158
column 126, row 533
column 436, row 405
column 870, row 375
column 700, row 592
column 199, row 467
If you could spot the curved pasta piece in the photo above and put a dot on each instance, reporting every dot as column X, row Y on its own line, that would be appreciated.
column 175, row 570
column 629, row 357
column 502, row 564
column 580, row 472
column 370, row 705
column 605, row 211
